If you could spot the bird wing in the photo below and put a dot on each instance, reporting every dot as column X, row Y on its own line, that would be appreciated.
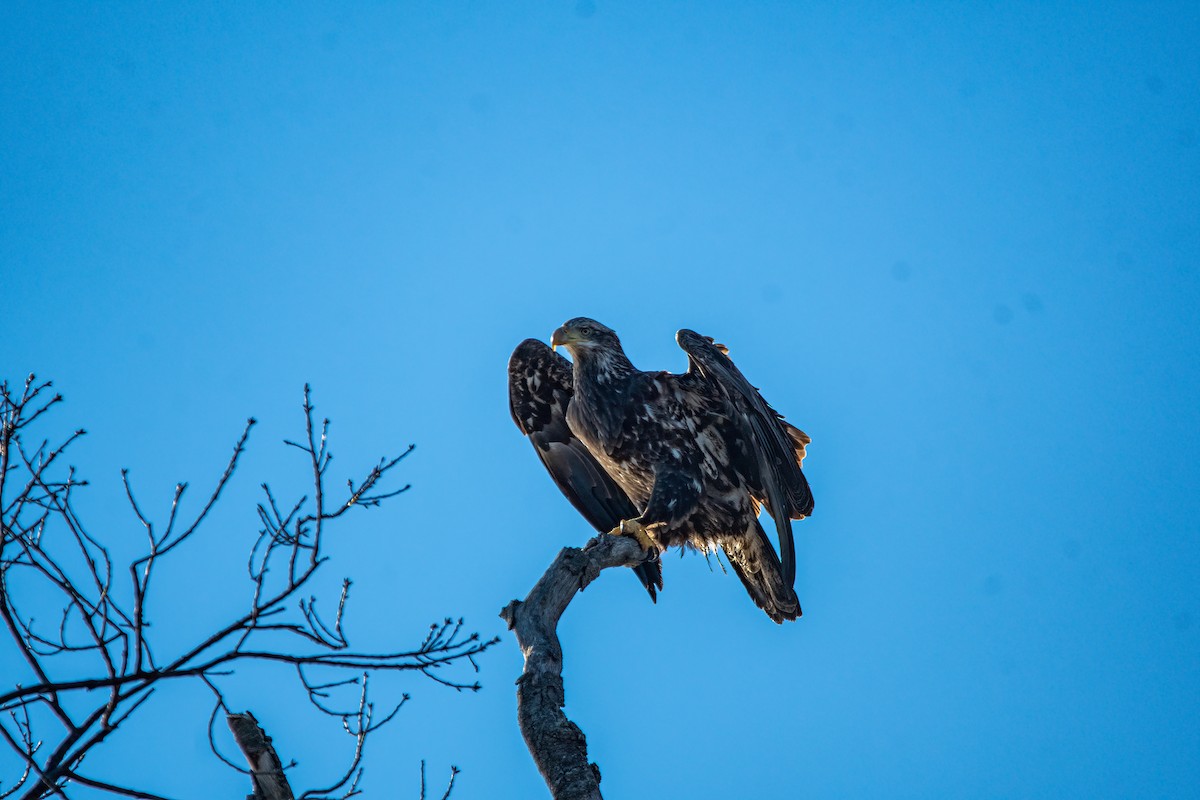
column 775, row 447
column 540, row 387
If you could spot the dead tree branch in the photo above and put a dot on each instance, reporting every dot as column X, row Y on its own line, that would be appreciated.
column 557, row 745
column 266, row 770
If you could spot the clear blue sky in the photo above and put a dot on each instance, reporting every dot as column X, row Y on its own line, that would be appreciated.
column 956, row 243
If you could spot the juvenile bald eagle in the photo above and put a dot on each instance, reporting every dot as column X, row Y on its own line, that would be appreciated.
column 671, row 459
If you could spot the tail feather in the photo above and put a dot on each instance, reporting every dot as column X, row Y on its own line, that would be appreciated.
column 754, row 561
column 650, row 574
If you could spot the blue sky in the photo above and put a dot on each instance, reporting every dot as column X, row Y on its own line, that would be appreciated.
column 955, row 243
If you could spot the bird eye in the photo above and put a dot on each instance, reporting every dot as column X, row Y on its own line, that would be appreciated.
column 586, row 330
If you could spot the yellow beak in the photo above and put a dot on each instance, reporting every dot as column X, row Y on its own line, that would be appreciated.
column 560, row 336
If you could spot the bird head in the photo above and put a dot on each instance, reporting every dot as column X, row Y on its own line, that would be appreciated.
column 582, row 335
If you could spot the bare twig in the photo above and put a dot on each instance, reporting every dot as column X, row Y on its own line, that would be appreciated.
column 97, row 621
column 454, row 771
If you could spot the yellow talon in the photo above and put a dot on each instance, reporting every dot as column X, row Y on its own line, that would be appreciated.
column 631, row 527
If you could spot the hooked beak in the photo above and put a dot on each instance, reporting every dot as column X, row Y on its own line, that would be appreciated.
column 559, row 337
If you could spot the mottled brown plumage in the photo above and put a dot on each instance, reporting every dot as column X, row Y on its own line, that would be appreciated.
column 540, row 387
column 694, row 455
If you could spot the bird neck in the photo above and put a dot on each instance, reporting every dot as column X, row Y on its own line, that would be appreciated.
column 602, row 380
column 602, row 367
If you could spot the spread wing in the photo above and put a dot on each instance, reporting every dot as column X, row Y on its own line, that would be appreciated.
column 776, row 448
column 540, row 387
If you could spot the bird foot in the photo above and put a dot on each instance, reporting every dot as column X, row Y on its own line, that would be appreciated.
column 635, row 529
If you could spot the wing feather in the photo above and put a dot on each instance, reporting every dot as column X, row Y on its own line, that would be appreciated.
column 540, row 387
column 777, row 447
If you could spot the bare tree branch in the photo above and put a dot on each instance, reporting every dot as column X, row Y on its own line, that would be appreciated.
column 112, row 788
column 100, row 666
column 266, row 770
column 449, row 786
column 557, row 745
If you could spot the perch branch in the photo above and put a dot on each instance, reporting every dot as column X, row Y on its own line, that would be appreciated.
column 557, row 745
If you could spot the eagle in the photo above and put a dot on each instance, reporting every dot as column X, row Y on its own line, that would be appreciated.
column 672, row 459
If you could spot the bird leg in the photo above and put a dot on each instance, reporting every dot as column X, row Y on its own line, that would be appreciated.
column 634, row 528
column 675, row 492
